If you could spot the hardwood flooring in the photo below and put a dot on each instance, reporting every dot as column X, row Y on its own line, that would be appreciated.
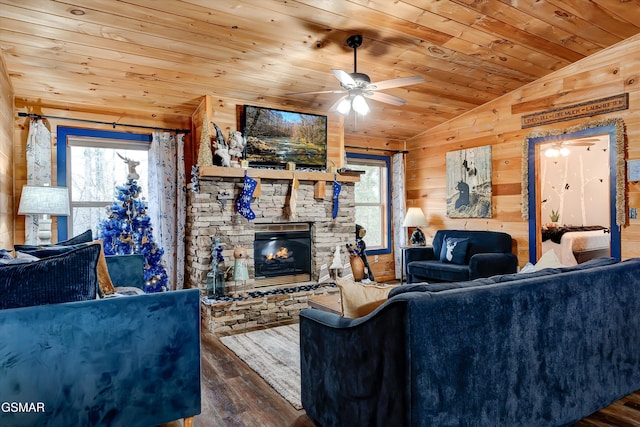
column 233, row 395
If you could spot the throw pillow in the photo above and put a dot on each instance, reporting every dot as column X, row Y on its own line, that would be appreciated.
column 5, row 254
column 548, row 260
column 105, row 285
column 528, row 268
column 454, row 250
column 85, row 237
column 359, row 299
column 67, row 277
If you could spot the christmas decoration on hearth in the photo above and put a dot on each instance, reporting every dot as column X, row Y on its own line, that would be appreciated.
column 215, row 277
column 243, row 202
column 127, row 230
column 336, row 264
column 240, row 270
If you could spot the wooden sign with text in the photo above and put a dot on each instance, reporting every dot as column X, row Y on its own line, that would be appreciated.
column 585, row 109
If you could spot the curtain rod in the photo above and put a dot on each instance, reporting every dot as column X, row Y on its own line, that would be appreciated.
column 114, row 124
column 376, row 149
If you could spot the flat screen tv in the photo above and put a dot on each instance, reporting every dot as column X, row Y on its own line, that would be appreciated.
column 275, row 137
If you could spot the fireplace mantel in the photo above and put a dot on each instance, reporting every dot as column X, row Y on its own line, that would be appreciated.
column 224, row 172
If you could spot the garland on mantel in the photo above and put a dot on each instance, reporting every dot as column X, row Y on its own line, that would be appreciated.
column 621, row 216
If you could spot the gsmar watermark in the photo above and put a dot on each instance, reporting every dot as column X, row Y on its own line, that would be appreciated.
column 22, row 407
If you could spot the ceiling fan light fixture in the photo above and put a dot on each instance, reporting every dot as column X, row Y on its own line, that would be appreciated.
column 360, row 105
column 344, row 106
column 564, row 151
column 552, row 152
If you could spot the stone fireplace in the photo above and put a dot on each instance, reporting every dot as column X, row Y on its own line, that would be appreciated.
column 211, row 213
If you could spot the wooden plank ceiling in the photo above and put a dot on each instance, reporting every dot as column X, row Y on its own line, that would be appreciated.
column 157, row 58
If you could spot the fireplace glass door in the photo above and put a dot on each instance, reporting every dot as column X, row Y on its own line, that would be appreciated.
column 282, row 254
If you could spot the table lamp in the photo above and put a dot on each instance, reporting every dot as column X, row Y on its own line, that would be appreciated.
column 44, row 201
column 415, row 218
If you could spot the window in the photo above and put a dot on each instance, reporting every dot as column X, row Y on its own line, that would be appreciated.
column 372, row 200
column 92, row 169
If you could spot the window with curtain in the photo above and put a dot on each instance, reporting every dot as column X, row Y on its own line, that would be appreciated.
column 372, row 200
column 93, row 168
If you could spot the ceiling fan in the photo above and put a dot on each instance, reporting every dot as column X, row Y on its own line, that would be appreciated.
column 561, row 148
column 358, row 86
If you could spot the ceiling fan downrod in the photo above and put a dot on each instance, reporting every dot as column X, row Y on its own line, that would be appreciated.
column 354, row 42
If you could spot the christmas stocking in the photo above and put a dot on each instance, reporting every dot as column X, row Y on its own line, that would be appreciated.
column 243, row 202
column 336, row 192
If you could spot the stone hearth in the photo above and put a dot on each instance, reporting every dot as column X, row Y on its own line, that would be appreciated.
column 221, row 317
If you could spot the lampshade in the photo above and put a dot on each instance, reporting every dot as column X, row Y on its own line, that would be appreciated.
column 414, row 218
column 43, row 200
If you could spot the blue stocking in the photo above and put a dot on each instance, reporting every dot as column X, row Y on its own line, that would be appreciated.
column 243, row 202
column 336, row 192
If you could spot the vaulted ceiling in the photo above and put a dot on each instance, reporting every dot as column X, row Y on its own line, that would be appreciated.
column 157, row 58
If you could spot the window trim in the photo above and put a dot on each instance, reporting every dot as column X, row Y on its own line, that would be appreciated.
column 387, row 161
column 62, row 135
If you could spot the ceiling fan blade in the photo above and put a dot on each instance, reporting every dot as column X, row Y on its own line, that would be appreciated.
column 385, row 97
column 344, row 77
column 314, row 92
column 391, row 83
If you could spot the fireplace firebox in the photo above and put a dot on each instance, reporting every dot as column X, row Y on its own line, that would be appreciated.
column 282, row 253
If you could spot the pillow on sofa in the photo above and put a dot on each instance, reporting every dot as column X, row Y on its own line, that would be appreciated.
column 105, row 284
column 5, row 254
column 454, row 250
column 358, row 299
column 85, row 237
column 68, row 277
column 548, row 260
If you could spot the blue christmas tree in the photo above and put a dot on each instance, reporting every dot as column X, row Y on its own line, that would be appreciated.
column 127, row 230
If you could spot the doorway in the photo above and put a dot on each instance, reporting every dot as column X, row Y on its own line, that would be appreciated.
column 572, row 201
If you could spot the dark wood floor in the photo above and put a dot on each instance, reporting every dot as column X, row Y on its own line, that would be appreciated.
column 234, row 395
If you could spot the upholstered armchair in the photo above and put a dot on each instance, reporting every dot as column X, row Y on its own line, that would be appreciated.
column 458, row 255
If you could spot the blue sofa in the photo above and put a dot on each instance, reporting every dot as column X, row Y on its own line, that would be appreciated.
column 68, row 359
column 479, row 254
column 538, row 349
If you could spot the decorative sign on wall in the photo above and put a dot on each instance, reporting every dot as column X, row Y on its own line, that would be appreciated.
column 469, row 183
column 585, row 109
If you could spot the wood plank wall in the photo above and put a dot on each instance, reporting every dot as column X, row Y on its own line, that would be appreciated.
column 6, row 159
column 21, row 130
column 610, row 72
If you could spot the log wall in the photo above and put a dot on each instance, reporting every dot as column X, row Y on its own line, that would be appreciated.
column 6, row 159
column 498, row 123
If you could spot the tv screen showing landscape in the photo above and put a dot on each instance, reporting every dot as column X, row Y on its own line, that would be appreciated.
column 276, row 137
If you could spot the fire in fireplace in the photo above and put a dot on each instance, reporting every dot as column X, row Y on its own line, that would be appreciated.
column 282, row 254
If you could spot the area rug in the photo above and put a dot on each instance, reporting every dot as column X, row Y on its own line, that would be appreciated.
column 274, row 354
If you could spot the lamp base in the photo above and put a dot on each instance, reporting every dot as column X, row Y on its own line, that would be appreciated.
column 417, row 238
column 44, row 230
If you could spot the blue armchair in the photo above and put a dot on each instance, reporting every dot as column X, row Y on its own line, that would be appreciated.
column 467, row 255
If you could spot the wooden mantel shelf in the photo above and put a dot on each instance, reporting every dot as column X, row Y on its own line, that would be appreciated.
column 223, row 172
